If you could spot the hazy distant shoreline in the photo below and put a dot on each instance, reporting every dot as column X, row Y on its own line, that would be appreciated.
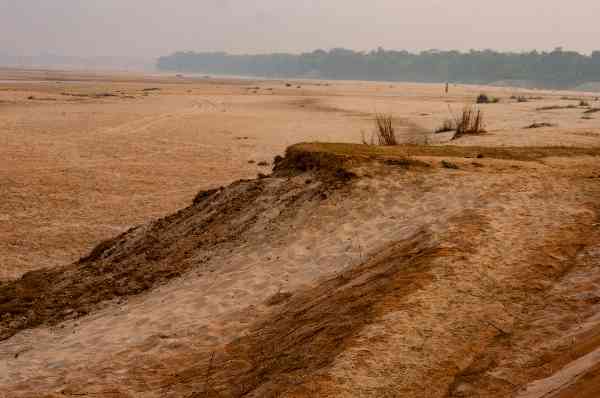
column 565, row 70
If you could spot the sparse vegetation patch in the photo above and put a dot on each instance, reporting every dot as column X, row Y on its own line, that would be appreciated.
column 469, row 122
column 540, row 125
column 384, row 129
column 485, row 99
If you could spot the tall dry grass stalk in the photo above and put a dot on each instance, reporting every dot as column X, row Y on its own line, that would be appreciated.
column 470, row 121
column 384, row 129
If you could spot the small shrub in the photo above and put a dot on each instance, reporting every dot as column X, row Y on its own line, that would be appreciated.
column 584, row 103
column 522, row 99
column 484, row 99
column 384, row 129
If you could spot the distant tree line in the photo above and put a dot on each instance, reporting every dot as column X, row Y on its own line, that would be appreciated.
column 557, row 69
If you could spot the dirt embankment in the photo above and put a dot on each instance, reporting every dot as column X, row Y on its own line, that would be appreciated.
column 375, row 274
column 150, row 255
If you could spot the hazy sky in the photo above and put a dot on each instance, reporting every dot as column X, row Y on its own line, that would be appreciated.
column 159, row 27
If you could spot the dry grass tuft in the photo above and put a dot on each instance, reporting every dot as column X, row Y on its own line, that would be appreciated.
column 470, row 121
column 384, row 129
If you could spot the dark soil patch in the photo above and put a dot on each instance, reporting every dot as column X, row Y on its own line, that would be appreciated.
column 540, row 125
column 449, row 165
column 556, row 107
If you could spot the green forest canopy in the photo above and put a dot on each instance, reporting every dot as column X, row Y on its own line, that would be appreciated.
column 558, row 69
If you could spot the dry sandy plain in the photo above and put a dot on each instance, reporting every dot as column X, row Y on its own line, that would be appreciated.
column 349, row 271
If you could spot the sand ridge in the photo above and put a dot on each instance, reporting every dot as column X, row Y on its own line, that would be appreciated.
column 201, row 317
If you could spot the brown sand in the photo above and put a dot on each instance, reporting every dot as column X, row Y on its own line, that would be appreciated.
column 372, row 275
column 75, row 170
